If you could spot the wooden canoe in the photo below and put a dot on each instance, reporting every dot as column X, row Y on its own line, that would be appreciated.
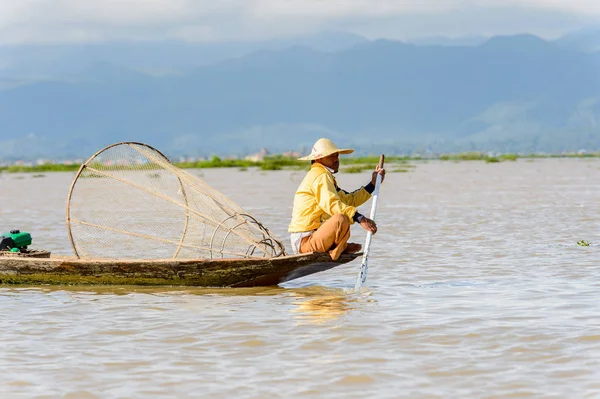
column 248, row 272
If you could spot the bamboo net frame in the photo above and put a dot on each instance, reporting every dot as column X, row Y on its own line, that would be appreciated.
column 129, row 201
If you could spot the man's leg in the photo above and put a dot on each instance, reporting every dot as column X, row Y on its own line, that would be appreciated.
column 334, row 232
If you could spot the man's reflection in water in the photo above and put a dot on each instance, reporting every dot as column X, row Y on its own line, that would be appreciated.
column 319, row 305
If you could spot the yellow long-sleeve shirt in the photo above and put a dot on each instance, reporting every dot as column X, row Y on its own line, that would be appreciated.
column 318, row 198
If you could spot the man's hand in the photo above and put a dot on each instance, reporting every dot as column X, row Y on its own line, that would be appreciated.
column 368, row 224
column 380, row 171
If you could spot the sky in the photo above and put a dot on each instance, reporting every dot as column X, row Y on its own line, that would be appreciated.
column 86, row 21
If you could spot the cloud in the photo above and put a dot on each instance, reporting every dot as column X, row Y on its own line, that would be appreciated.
column 475, row 20
column 344, row 8
column 39, row 21
column 582, row 7
column 99, row 20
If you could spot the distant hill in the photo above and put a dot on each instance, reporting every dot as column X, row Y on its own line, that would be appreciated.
column 155, row 57
column 470, row 40
column 510, row 93
column 585, row 40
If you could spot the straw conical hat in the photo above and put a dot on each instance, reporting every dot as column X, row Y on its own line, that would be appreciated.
column 324, row 147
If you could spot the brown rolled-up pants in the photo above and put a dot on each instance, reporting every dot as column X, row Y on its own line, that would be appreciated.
column 331, row 237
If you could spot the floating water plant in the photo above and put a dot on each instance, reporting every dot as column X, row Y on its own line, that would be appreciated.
column 354, row 169
column 270, row 166
column 583, row 243
column 508, row 157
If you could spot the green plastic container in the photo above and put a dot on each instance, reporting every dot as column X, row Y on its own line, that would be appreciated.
column 21, row 239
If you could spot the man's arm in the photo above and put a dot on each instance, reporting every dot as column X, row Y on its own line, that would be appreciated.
column 365, row 222
column 358, row 197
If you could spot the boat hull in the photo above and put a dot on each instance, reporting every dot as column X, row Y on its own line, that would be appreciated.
column 248, row 272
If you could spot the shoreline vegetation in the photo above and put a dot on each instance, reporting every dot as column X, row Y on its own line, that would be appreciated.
column 348, row 164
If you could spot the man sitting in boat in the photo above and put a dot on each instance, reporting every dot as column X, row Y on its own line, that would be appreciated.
column 323, row 212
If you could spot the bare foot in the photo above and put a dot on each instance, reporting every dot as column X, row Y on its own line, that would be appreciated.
column 352, row 248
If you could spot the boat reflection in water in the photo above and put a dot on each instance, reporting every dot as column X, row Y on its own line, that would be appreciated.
column 314, row 304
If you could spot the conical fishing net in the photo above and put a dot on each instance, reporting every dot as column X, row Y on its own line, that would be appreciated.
column 129, row 201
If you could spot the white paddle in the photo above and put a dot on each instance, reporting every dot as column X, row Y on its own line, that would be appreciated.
column 364, row 268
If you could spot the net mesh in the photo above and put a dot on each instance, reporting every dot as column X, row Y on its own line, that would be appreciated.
column 129, row 201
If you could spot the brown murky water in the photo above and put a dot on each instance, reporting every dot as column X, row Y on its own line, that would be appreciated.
column 476, row 289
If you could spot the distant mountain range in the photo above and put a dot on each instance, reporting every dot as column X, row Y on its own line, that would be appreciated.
column 585, row 40
column 517, row 93
column 152, row 57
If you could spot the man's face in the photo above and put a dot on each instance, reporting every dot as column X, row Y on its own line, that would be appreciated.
column 332, row 161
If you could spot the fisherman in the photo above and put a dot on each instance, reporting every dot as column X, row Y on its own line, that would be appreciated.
column 323, row 212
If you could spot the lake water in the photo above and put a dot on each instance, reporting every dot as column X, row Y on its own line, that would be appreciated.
column 476, row 288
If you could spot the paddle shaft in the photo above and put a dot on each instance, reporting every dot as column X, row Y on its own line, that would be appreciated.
column 364, row 267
